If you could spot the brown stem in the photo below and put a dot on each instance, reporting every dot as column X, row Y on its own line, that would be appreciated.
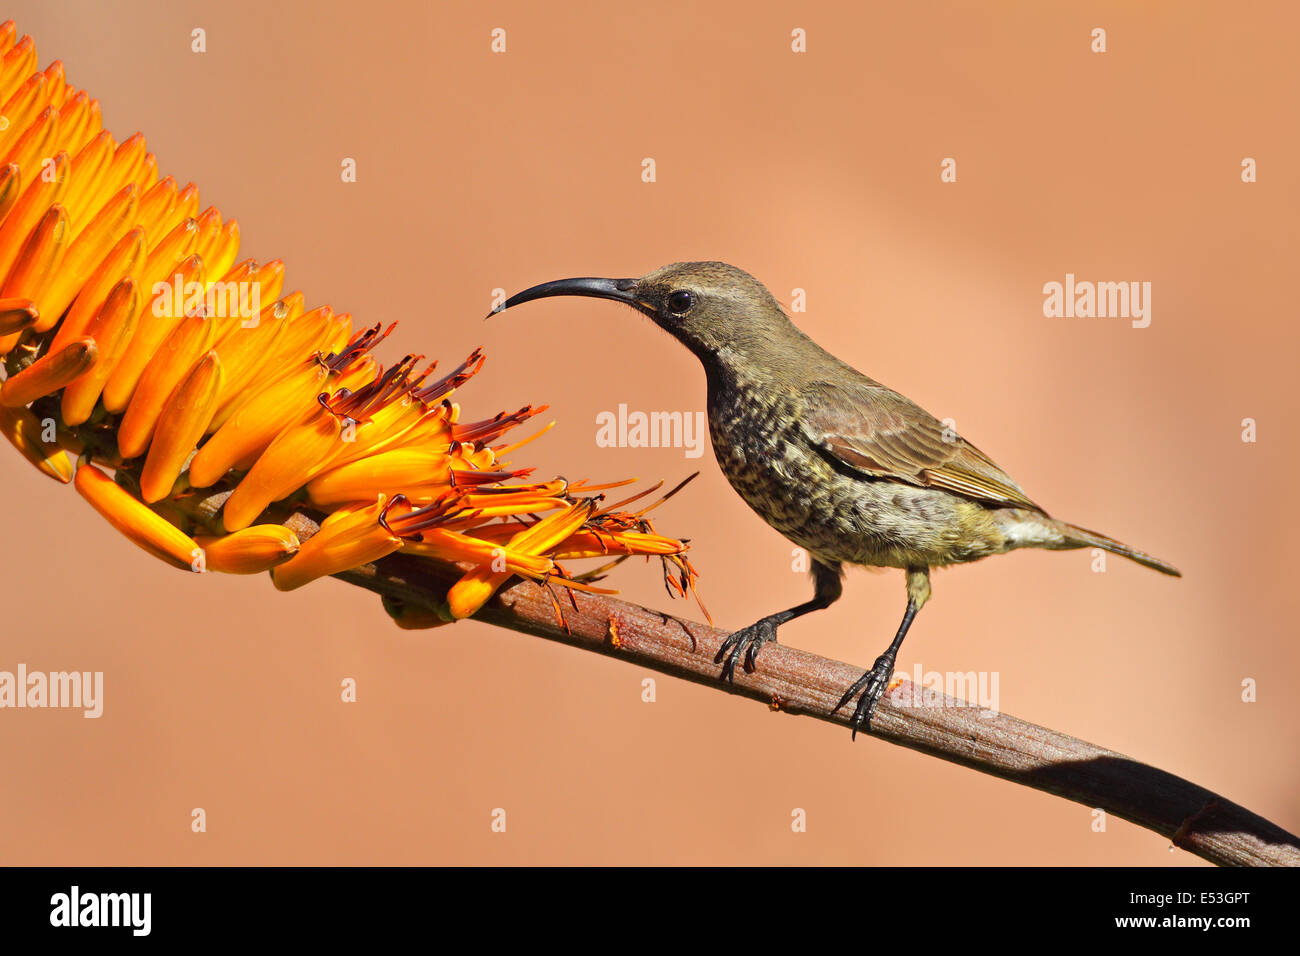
column 798, row 682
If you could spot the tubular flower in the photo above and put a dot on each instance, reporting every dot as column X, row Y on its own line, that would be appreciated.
column 251, row 551
column 145, row 527
column 356, row 538
column 217, row 421
column 24, row 431
column 469, row 593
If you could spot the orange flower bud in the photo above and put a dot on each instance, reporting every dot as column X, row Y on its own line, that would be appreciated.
column 49, row 374
column 157, row 321
column 111, row 331
column 16, row 315
column 36, row 266
column 137, row 521
column 24, row 431
column 182, row 422
column 251, row 551
column 358, row 539
column 90, row 246
column 179, row 354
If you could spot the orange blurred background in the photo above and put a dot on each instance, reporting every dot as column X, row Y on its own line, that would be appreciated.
column 818, row 171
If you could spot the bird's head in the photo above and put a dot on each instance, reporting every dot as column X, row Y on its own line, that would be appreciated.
column 708, row 306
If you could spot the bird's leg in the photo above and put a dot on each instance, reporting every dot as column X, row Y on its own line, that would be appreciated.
column 748, row 640
column 871, row 685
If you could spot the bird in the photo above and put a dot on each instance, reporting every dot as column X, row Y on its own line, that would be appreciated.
column 841, row 465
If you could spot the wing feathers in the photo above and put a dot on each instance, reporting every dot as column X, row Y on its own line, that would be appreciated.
column 877, row 431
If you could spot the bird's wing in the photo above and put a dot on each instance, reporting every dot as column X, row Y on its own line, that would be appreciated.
column 874, row 430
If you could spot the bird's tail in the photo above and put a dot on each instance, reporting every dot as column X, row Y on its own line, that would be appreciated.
column 1076, row 537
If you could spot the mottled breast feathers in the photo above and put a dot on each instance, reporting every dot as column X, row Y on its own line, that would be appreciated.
column 874, row 430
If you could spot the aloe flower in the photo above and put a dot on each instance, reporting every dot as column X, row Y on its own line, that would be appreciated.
column 201, row 409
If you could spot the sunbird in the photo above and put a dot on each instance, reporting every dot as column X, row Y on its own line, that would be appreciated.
column 842, row 466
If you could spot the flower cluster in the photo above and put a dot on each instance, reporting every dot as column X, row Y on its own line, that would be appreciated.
column 204, row 412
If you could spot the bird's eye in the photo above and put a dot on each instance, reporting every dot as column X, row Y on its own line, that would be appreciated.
column 680, row 301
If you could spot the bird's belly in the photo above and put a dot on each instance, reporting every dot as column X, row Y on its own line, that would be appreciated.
column 840, row 517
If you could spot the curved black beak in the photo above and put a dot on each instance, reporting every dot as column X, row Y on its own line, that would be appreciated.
column 620, row 290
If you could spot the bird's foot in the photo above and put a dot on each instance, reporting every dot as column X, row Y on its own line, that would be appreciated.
column 868, row 688
column 747, row 641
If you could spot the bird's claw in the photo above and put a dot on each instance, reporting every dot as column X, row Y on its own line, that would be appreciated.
column 869, row 688
column 747, row 641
